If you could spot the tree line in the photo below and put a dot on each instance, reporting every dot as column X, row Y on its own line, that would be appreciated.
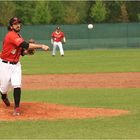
column 70, row 12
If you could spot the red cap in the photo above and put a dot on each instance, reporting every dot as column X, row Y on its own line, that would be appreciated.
column 14, row 20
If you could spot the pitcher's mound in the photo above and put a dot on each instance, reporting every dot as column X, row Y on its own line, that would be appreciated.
column 42, row 111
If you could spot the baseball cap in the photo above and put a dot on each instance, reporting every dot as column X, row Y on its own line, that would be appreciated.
column 58, row 28
column 14, row 20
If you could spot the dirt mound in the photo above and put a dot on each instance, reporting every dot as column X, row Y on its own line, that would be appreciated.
column 43, row 111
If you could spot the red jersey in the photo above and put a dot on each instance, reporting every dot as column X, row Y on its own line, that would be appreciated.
column 57, row 37
column 10, row 49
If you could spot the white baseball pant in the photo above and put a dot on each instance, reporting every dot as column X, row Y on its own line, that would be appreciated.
column 10, row 75
column 55, row 45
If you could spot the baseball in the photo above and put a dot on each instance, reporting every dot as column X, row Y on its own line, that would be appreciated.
column 90, row 26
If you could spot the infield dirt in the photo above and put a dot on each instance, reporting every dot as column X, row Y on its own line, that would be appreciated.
column 99, row 80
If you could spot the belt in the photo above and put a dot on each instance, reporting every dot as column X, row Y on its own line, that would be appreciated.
column 14, row 63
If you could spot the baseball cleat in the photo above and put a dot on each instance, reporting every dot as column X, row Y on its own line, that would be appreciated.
column 6, row 101
column 16, row 111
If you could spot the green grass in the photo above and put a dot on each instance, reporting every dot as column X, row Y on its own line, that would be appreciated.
column 83, row 61
column 121, row 127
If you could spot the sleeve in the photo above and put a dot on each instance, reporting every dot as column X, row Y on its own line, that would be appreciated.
column 63, row 35
column 17, row 40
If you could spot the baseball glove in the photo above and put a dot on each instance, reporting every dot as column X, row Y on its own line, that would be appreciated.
column 31, row 51
column 27, row 52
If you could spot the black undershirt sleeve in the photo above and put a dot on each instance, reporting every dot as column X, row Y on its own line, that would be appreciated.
column 24, row 45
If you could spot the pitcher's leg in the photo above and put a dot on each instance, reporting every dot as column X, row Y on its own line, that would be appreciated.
column 5, row 77
column 17, row 96
column 16, row 83
column 5, row 82
column 4, row 87
column 5, row 99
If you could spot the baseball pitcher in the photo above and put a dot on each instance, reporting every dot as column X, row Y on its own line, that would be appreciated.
column 57, row 40
column 10, row 68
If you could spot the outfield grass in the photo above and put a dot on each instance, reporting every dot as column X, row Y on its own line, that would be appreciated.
column 83, row 61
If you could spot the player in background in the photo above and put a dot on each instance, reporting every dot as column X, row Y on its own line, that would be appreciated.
column 10, row 68
column 57, row 40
